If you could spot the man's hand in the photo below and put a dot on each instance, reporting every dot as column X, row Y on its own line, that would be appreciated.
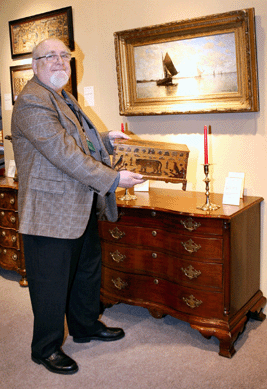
column 129, row 179
column 117, row 135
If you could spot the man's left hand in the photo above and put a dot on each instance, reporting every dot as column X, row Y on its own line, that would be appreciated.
column 117, row 135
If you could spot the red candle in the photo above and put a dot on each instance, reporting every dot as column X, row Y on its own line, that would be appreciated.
column 122, row 127
column 206, row 158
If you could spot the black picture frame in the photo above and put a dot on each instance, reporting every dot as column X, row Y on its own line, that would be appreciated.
column 27, row 32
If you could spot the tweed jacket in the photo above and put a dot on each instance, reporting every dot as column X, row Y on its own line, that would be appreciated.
column 57, row 175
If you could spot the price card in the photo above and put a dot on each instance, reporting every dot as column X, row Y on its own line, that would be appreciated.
column 232, row 190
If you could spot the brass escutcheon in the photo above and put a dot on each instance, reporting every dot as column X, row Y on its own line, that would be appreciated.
column 119, row 284
column 116, row 233
column 117, row 256
column 190, row 272
column 191, row 246
column 192, row 302
column 190, row 224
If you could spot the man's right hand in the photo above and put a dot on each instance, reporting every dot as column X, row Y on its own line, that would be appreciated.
column 129, row 179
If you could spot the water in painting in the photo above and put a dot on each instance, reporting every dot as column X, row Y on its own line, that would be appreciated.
column 204, row 66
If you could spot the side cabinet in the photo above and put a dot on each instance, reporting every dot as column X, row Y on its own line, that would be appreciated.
column 11, row 244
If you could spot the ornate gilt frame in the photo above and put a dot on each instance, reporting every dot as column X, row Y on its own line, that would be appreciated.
column 238, row 25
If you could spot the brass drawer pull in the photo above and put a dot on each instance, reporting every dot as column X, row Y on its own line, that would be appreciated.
column 119, row 284
column 13, row 219
column 192, row 302
column 190, row 272
column 156, row 282
column 154, row 233
column 154, row 255
column 117, row 256
column 3, row 233
column 2, row 213
column 190, row 224
column 12, row 200
column 2, row 195
column 14, row 257
column 116, row 233
column 153, row 213
column 13, row 238
column 191, row 246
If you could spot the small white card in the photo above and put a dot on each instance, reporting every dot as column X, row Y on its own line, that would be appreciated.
column 144, row 187
column 89, row 96
column 232, row 189
column 239, row 175
column 11, row 170
column 8, row 102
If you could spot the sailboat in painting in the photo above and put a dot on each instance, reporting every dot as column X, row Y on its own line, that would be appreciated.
column 169, row 71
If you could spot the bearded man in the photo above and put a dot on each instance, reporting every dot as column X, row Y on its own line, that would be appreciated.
column 66, row 184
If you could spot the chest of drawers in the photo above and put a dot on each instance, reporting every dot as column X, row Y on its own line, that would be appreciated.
column 167, row 256
column 11, row 244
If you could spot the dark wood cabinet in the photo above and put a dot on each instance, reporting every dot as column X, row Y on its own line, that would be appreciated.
column 166, row 255
column 11, row 244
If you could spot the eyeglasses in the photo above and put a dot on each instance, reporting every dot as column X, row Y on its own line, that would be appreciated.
column 54, row 57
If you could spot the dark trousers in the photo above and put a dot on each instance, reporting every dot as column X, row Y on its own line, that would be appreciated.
column 64, row 277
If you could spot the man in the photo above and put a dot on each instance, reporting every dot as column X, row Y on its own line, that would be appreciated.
column 66, row 183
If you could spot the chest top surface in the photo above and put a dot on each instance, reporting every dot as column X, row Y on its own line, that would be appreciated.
column 181, row 202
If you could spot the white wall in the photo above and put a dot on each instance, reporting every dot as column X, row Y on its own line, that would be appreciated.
column 238, row 141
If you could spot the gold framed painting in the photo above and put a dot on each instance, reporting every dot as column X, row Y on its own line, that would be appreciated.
column 21, row 74
column 27, row 32
column 201, row 65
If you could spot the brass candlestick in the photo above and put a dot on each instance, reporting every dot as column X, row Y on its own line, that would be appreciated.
column 127, row 196
column 208, row 206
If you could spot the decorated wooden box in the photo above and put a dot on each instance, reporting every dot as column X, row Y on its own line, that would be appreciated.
column 154, row 160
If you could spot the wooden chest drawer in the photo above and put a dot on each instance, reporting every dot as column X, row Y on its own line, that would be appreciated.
column 197, row 246
column 144, row 288
column 9, row 238
column 10, row 258
column 157, row 263
column 8, row 199
column 169, row 221
column 9, row 219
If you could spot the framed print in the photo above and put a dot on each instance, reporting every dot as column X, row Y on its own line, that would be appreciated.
column 28, row 32
column 21, row 74
column 202, row 65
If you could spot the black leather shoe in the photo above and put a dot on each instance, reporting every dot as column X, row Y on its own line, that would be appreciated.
column 58, row 362
column 106, row 334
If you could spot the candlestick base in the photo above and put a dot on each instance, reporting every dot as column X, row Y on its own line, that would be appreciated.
column 127, row 196
column 208, row 206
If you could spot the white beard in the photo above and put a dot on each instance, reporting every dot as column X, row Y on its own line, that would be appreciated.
column 59, row 79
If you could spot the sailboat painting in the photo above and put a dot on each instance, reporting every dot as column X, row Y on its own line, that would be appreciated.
column 197, row 67
column 169, row 71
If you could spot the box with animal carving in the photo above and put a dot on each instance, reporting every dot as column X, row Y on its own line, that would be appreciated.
column 154, row 160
